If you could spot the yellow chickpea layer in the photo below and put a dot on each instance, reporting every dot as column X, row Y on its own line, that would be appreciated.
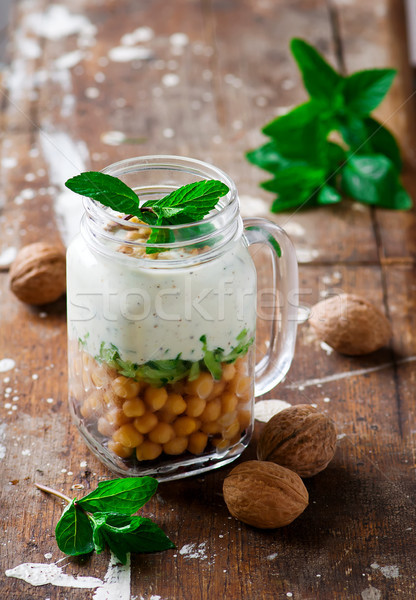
column 147, row 422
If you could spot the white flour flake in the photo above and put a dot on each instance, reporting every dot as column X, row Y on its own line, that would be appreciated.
column 194, row 551
column 128, row 53
column 6, row 364
column 116, row 582
column 326, row 348
column 7, row 257
column 390, row 571
column 57, row 22
column 41, row 574
column 264, row 410
column 371, row 593
column 65, row 158
column 69, row 60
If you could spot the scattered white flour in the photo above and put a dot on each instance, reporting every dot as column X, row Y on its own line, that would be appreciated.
column 7, row 257
column 28, row 47
column 141, row 34
column 194, row 551
column 69, row 60
column 113, row 138
column 326, row 348
column 272, row 556
column 26, row 452
column 294, row 229
column 41, row 574
column 128, row 53
column 57, row 22
column 179, row 39
column 265, row 409
column 371, row 593
column 170, row 79
column 116, row 582
column 6, row 364
column 305, row 255
column 326, row 399
column 389, row 571
column 83, row 464
column 48, row 555
column 65, row 158
column 8, row 162
column 252, row 206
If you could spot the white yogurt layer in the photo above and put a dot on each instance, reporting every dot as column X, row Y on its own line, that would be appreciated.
column 157, row 313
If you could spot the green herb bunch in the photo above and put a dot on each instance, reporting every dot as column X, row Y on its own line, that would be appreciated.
column 106, row 517
column 309, row 167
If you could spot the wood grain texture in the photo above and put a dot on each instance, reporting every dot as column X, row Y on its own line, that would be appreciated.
column 208, row 98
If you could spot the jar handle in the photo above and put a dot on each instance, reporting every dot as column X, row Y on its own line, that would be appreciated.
column 274, row 365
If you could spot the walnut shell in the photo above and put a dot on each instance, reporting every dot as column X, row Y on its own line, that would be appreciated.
column 37, row 275
column 264, row 494
column 299, row 438
column 350, row 324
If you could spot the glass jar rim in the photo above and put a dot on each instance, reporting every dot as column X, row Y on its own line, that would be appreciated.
column 223, row 220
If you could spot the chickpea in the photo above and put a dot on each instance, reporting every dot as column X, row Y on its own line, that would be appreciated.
column 155, row 398
column 228, row 402
column 176, row 446
column 226, row 419
column 105, row 428
column 231, row 430
column 195, row 406
column 128, row 436
column 212, row 411
column 241, row 385
column 211, row 428
column 175, row 404
column 125, row 387
column 197, row 442
column 148, row 450
column 145, row 423
column 134, row 407
column 184, row 426
column 228, row 372
column 162, row 433
column 119, row 449
column 116, row 417
column 202, row 386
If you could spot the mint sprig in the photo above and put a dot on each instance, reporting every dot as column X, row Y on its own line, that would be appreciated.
column 105, row 517
column 309, row 168
column 188, row 204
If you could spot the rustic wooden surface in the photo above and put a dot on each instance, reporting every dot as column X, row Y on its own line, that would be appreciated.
column 208, row 98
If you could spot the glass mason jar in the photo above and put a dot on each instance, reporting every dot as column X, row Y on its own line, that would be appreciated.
column 162, row 373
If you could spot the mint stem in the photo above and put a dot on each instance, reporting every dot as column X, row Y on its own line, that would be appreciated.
column 49, row 490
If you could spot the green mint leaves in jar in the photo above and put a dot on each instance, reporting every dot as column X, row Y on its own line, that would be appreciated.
column 105, row 516
column 187, row 204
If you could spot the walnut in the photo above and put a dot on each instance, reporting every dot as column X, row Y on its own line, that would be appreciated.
column 37, row 275
column 299, row 438
column 264, row 494
column 350, row 324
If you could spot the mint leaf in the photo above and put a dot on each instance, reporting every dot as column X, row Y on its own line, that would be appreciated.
column 382, row 141
column 320, row 79
column 124, row 496
column 372, row 180
column 290, row 132
column 363, row 91
column 107, row 190
column 268, row 157
column 188, row 203
column 328, row 195
column 73, row 531
column 125, row 534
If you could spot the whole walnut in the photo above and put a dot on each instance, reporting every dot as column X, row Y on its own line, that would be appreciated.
column 350, row 324
column 264, row 495
column 299, row 438
column 37, row 275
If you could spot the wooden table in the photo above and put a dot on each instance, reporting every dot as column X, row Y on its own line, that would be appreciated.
column 90, row 83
